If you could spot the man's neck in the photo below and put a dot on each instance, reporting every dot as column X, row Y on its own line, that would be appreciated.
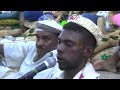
column 69, row 74
column 38, row 56
column 42, row 56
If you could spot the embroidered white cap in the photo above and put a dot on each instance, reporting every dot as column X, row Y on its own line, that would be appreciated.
column 49, row 25
column 88, row 24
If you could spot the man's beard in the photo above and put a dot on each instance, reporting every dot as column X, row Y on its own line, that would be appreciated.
column 40, row 53
column 68, row 66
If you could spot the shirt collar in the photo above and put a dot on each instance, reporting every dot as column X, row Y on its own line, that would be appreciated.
column 87, row 72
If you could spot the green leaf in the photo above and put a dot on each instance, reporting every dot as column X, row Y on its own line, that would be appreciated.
column 105, row 39
column 31, row 30
column 114, row 37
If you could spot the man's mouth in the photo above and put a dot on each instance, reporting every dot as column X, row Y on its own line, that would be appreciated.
column 60, row 60
column 41, row 49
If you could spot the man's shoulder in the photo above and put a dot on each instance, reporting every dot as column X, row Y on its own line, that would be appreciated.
column 89, row 71
column 31, row 44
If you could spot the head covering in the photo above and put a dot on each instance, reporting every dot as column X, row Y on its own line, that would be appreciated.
column 48, row 25
column 88, row 24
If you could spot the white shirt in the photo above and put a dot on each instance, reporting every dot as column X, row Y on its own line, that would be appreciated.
column 87, row 72
column 20, row 56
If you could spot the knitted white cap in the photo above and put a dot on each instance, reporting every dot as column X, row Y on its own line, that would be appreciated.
column 88, row 24
column 57, row 28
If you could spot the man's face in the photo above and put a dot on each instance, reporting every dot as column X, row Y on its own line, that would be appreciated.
column 46, row 42
column 70, row 50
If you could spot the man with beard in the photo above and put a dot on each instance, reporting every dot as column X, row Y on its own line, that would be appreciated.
column 76, row 45
column 21, row 58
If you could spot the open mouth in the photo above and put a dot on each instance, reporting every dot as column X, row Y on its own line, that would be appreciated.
column 59, row 57
column 60, row 60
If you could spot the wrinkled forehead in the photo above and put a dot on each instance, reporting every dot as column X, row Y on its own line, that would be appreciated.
column 44, row 33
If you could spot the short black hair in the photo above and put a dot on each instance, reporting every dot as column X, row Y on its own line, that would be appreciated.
column 88, row 37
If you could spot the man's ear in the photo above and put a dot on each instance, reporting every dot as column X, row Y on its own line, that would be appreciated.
column 88, row 52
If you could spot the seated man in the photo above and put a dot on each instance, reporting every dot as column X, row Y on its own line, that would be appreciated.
column 76, row 46
column 24, row 57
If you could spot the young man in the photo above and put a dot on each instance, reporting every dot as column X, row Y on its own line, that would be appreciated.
column 20, row 58
column 76, row 45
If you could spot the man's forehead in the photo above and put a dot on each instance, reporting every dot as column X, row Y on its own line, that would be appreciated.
column 41, row 33
column 70, row 35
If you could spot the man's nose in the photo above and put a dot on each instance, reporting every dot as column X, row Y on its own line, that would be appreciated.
column 40, row 42
column 60, row 48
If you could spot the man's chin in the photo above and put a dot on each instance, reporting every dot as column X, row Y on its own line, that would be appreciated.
column 64, row 68
column 41, row 51
column 61, row 68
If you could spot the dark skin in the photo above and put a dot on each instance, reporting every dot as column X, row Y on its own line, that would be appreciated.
column 46, row 42
column 73, row 53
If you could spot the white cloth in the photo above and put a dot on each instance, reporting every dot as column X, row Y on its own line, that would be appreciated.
column 88, row 72
column 3, row 70
column 20, row 56
column 51, row 23
column 8, row 12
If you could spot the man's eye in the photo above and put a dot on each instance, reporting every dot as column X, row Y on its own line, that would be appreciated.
column 69, row 44
column 45, row 38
